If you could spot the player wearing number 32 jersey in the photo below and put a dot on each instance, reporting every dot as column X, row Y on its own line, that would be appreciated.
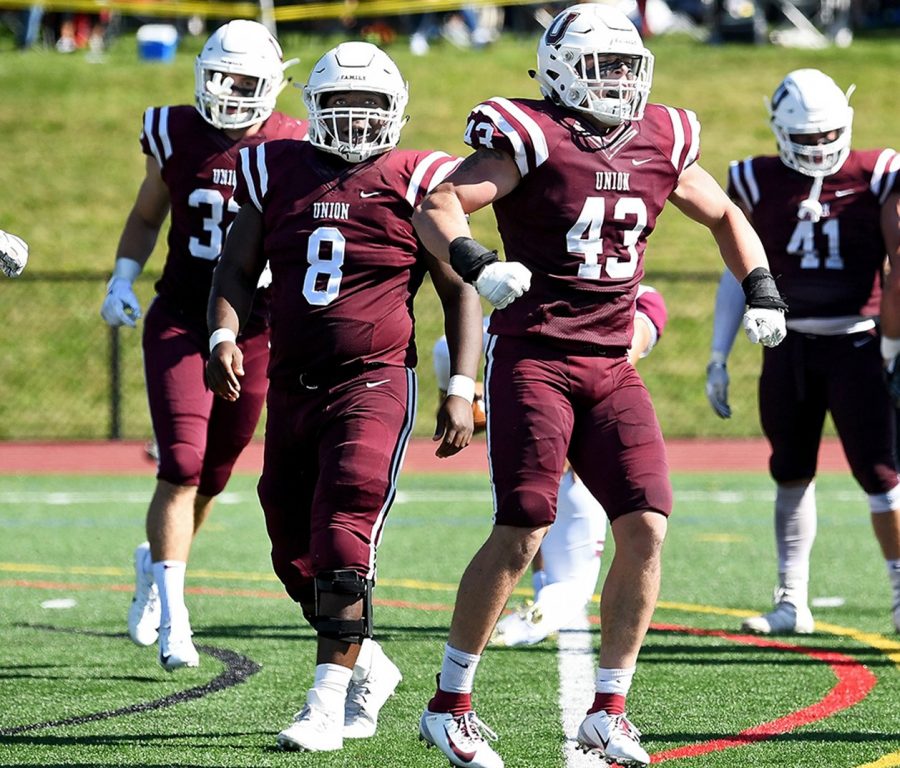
column 191, row 153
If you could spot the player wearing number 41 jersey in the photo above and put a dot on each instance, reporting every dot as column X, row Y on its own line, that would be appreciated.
column 828, row 215
column 333, row 218
column 191, row 153
column 577, row 181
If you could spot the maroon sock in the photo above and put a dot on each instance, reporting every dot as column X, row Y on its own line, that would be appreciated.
column 454, row 703
column 611, row 703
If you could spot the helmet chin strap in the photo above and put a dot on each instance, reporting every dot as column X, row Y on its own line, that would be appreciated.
column 811, row 209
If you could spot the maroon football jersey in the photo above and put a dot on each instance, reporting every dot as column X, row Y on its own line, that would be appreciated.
column 830, row 268
column 197, row 162
column 581, row 215
column 346, row 262
column 650, row 303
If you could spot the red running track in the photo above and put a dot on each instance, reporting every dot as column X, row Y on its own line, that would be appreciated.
column 128, row 457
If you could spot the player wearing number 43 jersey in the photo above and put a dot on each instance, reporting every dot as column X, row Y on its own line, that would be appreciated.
column 333, row 218
column 191, row 153
column 828, row 215
column 577, row 181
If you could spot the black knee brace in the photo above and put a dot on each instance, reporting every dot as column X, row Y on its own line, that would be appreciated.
column 343, row 582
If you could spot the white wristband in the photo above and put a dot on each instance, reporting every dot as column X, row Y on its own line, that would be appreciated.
column 890, row 348
column 219, row 335
column 462, row 386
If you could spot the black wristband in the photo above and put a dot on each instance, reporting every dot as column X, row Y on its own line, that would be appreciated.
column 468, row 257
column 761, row 292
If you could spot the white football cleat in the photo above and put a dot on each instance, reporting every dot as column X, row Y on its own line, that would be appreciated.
column 785, row 619
column 176, row 649
column 461, row 738
column 366, row 697
column 144, row 612
column 613, row 738
column 314, row 729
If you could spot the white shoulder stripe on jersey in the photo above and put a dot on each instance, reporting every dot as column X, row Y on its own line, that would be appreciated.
column 153, row 139
column 884, row 173
column 750, row 177
column 678, row 131
column 694, row 148
column 248, row 177
column 736, row 171
column 415, row 181
column 538, row 140
column 507, row 130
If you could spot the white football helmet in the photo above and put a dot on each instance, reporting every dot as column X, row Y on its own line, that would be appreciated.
column 240, row 47
column 809, row 102
column 574, row 69
column 355, row 66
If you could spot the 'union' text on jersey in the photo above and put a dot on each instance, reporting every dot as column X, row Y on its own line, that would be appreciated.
column 224, row 176
column 614, row 180
column 331, row 210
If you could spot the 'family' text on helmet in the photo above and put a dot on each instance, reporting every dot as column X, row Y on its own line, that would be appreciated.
column 592, row 59
column 355, row 133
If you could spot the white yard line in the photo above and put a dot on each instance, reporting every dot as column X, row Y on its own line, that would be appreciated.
column 575, row 661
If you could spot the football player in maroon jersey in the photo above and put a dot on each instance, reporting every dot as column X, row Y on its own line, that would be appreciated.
column 333, row 218
column 191, row 153
column 827, row 215
column 577, row 181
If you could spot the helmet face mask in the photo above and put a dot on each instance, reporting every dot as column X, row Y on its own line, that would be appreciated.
column 238, row 75
column 591, row 59
column 368, row 121
column 812, row 121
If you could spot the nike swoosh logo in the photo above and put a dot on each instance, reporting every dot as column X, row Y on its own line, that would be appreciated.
column 369, row 194
column 845, row 192
column 466, row 757
column 371, row 384
column 641, row 162
column 460, row 664
column 862, row 342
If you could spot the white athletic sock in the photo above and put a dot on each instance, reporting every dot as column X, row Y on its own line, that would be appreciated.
column 169, row 578
column 458, row 670
column 330, row 686
column 795, row 532
column 538, row 582
column 893, row 568
column 614, row 680
column 364, row 661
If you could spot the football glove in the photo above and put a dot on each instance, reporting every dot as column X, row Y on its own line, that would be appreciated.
column 765, row 326
column 502, row 282
column 13, row 254
column 121, row 306
column 717, row 388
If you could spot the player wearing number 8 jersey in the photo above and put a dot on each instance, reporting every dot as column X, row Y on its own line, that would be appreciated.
column 577, row 182
column 827, row 215
column 333, row 218
column 190, row 168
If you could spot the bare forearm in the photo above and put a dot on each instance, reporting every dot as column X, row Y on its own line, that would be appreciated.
column 438, row 221
column 739, row 244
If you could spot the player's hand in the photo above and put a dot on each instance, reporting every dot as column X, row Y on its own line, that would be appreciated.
column 121, row 306
column 13, row 254
column 890, row 353
column 765, row 326
column 224, row 370
column 717, row 389
column 454, row 426
column 502, row 282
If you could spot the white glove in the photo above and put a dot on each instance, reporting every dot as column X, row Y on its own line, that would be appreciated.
column 121, row 306
column 717, row 388
column 765, row 326
column 13, row 254
column 502, row 282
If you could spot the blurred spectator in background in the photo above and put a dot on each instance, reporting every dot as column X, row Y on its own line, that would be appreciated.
column 470, row 26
